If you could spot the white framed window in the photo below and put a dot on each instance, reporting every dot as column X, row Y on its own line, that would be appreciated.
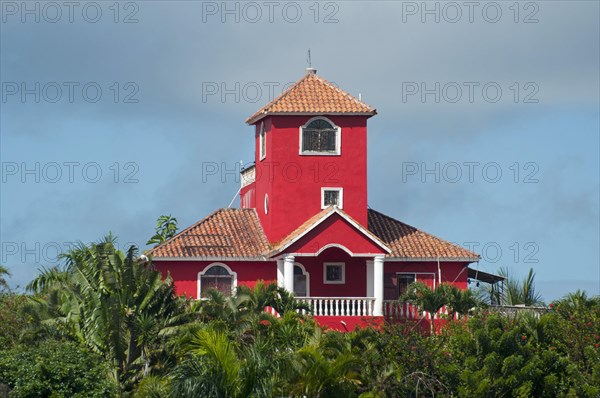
column 216, row 276
column 262, row 141
column 334, row 273
column 332, row 197
column 319, row 136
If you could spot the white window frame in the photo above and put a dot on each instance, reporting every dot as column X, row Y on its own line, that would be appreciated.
column 342, row 282
column 262, row 142
column 307, row 275
column 205, row 270
column 338, row 139
column 340, row 196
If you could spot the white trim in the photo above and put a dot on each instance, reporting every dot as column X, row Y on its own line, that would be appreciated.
column 270, row 258
column 337, row 245
column 261, row 116
column 326, row 282
column 264, row 258
column 434, row 259
column 280, row 275
column 338, row 139
column 306, row 274
column 266, row 203
column 209, row 266
column 334, row 209
column 370, row 278
column 262, row 139
column 340, row 191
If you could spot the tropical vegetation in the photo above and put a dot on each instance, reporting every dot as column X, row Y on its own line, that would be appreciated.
column 106, row 324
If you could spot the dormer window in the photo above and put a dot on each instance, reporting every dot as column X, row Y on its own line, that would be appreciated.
column 320, row 137
column 332, row 197
column 262, row 142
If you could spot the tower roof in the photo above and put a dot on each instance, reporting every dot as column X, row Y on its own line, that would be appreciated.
column 313, row 95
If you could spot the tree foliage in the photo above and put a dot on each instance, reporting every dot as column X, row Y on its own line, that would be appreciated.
column 111, row 301
column 166, row 228
column 106, row 324
column 55, row 369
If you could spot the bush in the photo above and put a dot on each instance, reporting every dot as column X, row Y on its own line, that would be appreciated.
column 55, row 369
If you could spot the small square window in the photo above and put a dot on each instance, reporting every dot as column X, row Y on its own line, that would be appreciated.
column 332, row 197
column 334, row 273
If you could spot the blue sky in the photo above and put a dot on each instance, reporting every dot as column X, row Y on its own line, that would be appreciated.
column 462, row 95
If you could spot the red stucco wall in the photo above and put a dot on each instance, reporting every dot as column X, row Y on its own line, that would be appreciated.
column 293, row 182
column 335, row 230
column 185, row 273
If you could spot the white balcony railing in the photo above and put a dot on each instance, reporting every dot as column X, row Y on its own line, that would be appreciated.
column 394, row 309
column 339, row 306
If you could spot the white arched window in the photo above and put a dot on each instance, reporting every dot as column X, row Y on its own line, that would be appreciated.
column 319, row 136
column 216, row 276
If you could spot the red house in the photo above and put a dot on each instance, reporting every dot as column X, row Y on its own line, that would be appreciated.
column 304, row 220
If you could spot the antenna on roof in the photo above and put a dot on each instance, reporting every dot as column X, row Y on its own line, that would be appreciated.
column 310, row 69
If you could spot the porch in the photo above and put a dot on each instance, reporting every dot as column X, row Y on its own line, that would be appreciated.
column 365, row 307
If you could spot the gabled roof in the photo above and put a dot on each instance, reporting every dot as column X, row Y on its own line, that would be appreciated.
column 231, row 233
column 317, row 219
column 313, row 95
column 236, row 234
column 411, row 244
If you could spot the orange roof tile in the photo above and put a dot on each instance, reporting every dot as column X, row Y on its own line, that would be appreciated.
column 313, row 95
column 408, row 242
column 225, row 233
column 238, row 234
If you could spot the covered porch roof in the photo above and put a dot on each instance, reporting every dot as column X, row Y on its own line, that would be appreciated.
column 485, row 276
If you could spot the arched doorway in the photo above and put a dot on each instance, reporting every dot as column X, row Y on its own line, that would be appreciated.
column 301, row 281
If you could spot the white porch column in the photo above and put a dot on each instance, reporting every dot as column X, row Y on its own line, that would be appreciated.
column 288, row 273
column 378, row 285
column 370, row 278
column 280, row 273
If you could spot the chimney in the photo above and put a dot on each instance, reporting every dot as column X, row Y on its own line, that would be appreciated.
column 310, row 71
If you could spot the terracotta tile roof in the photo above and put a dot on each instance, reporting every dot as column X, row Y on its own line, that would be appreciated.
column 224, row 233
column 313, row 95
column 408, row 242
column 314, row 221
column 237, row 233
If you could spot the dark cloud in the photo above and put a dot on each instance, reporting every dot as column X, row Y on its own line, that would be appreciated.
column 377, row 49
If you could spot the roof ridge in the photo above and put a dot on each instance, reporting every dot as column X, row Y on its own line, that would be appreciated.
column 313, row 94
column 278, row 98
column 344, row 92
column 239, row 228
column 424, row 232
column 149, row 252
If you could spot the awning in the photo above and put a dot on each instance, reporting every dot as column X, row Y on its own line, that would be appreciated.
column 485, row 276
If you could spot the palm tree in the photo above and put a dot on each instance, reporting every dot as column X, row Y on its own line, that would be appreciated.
column 460, row 301
column 112, row 302
column 326, row 368
column 166, row 228
column 521, row 292
column 4, row 272
column 427, row 299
